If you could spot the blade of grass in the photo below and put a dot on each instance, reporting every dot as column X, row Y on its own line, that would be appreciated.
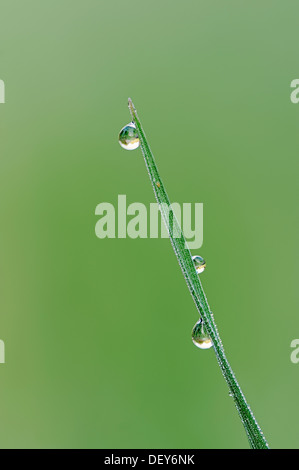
column 254, row 433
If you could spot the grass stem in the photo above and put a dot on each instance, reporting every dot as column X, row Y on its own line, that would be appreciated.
column 254, row 433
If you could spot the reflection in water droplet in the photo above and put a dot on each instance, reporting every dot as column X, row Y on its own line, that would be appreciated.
column 199, row 336
column 199, row 264
column 128, row 137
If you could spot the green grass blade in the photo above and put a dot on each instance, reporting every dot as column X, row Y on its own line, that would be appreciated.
column 254, row 433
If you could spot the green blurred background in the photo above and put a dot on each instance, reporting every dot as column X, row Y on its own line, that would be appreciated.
column 97, row 332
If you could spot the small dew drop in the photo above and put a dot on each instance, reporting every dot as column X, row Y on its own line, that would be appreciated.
column 199, row 336
column 199, row 264
column 128, row 137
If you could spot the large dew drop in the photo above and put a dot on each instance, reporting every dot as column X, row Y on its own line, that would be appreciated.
column 128, row 137
column 199, row 264
column 199, row 336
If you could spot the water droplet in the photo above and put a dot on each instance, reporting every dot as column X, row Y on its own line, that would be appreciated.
column 199, row 336
column 199, row 264
column 128, row 137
